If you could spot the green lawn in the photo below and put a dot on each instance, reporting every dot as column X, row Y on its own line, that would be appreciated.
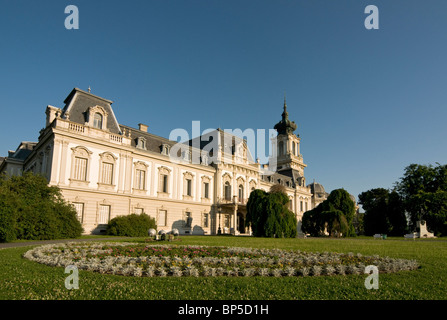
column 23, row 279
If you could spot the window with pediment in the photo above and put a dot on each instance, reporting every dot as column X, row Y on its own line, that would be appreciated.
column 107, row 167
column 80, row 164
column 97, row 117
column 163, row 183
column 226, row 179
column 165, row 149
column 140, row 175
column 188, row 184
column 141, row 143
column 206, row 187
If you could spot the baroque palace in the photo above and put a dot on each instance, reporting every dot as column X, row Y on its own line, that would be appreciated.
column 106, row 169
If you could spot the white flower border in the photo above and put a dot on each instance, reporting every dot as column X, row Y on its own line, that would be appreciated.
column 279, row 262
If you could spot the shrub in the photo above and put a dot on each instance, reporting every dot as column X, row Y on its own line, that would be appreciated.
column 132, row 225
column 32, row 210
column 7, row 221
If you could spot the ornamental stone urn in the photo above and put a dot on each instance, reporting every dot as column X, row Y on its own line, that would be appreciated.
column 152, row 232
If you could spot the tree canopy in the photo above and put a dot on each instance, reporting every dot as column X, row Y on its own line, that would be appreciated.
column 420, row 194
column 32, row 210
column 334, row 215
column 384, row 212
column 268, row 214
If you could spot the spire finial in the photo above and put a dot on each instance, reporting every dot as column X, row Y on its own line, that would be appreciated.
column 285, row 105
column 89, row 89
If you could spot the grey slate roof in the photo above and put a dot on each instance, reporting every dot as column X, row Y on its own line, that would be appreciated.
column 278, row 178
column 154, row 143
column 78, row 102
column 23, row 150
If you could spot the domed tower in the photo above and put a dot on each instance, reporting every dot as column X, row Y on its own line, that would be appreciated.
column 318, row 193
column 289, row 161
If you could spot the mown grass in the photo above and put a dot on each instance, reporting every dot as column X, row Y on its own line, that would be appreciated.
column 23, row 279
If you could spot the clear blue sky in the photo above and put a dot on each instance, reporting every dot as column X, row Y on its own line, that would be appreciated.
column 367, row 102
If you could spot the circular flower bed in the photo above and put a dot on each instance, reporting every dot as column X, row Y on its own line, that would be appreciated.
column 133, row 259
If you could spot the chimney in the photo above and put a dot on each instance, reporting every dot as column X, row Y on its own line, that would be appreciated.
column 51, row 114
column 142, row 127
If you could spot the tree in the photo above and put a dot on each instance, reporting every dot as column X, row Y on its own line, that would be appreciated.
column 423, row 191
column 384, row 212
column 268, row 214
column 334, row 215
column 32, row 210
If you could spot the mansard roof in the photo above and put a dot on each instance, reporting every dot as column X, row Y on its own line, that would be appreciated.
column 78, row 103
column 278, row 178
column 225, row 137
column 23, row 150
column 154, row 143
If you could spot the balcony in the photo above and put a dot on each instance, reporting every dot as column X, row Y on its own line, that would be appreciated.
column 235, row 200
column 90, row 132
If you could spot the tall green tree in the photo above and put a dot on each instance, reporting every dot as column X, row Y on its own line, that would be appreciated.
column 269, row 216
column 334, row 215
column 423, row 190
column 384, row 212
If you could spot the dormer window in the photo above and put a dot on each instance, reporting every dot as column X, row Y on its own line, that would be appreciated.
column 97, row 117
column 205, row 160
column 165, row 149
column 97, row 120
column 141, row 143
column 187, row 155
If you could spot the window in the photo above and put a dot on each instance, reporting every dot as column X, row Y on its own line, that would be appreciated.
column 80, row 169
column 107, row 173
column 141, row 143
column 293, row 148
column 227, row 190
column 301, row 205
column 163, row 180
column 188, row 187
column 104, row 214
column 305, row 205
column 97, row 120
column 241, row 193
column 164, row 187
column 165, row 149
column 162, row 218
column 205, row 220
column 79, row 207
column 205, row 160
column 139, row 210
column 281, row 148
column 206, row 187
column 140, row 179
column 226, row 221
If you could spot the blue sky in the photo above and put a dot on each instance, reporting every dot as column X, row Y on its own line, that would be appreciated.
column 367, row 102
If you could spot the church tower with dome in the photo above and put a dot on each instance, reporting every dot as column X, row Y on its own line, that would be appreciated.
column 289, row 159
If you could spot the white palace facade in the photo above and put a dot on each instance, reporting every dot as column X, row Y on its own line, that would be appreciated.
column 106, row 169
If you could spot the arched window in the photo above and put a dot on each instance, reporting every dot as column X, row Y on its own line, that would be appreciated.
column 294, row 148
column 281, row 148
column 97, row 120
column 241, row 193
column 227, row 188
